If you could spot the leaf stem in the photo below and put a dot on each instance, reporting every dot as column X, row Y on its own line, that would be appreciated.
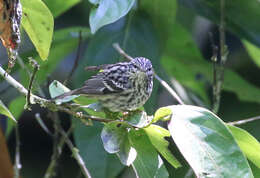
column 244, row 121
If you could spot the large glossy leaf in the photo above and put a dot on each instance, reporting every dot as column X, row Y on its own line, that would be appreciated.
column 242, row 17
column 206, row 143
column 58, row 7
column 253, row 51
column 38, row 23
column 108, row 11
column 97, row 160
column 182, row 50
column 5, row 111
column 247, row 143
column 157, row 137
column 146, row 162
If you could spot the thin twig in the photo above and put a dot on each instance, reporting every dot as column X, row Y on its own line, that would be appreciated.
column 56, row 151
column 219, row 69
column 75, row 154
column 162, row 82
column 76, row 61
column 244, row 121
column 17, row 165
column 35, row 69
column 41, row 123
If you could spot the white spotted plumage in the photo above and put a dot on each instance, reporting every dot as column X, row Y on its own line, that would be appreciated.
column 123, row 86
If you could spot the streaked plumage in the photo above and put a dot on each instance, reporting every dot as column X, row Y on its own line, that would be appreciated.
column 123, row 86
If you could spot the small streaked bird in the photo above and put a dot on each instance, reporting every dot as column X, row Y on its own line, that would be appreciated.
column 124, row 86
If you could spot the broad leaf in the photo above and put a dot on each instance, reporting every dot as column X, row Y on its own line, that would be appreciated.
column 38, row 23
column 157, row 137
column 108, row 11
column 146, row 162
column 253, row 51
column 206, row 143
column 5, row 111
column 113, row 136
column 58, row 7
column 97, row 160
column 247, row 143
column 241, row 17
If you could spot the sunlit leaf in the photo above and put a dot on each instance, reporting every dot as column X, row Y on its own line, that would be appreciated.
column 38, row 23
column 206, row 143
column 247, row 143
column 162, row 113
column 108, row 11
column 157, row 137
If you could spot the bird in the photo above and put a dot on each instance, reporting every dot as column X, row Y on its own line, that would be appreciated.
column 119, row 87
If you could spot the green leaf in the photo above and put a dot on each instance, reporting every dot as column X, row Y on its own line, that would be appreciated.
column 127, row 153
column 5, row 111
column 161, row 171
column 253, row 51
column 97, row 160
column 38, row 23
column 182, row 49
column 162, row 113
column 16, row 107
column 113, row 136
column 108, row 11
column 247, row 143
column 241, row 17
column 206, row 143
column 146, row 162
column 56, row 89
column 58, row 7
column 138, row 119
column 157, row 136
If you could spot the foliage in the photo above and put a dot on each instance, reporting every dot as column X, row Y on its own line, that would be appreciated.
column 153, row 29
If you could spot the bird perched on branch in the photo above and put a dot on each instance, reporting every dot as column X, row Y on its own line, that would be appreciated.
column 124, row 86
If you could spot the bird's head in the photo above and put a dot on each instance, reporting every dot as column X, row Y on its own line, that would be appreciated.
column 144, row 65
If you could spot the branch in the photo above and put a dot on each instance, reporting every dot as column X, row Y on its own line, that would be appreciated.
column 244, row 121
column 219, row 69
column 162, row 82
column 75, row 154
column 45, row 102
column 35, row 69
